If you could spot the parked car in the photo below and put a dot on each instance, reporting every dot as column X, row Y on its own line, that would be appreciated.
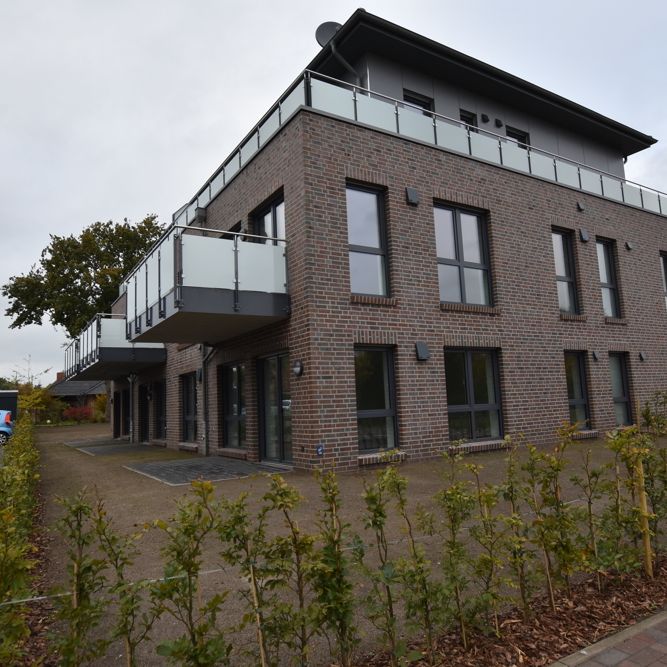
column 6, row 426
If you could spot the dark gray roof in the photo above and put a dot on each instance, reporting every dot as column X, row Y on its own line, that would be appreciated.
column 77, row 388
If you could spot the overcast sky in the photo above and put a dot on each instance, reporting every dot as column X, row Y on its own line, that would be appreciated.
column 119, row 108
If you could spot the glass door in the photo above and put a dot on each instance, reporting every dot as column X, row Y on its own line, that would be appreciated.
column 143, row 413
column 276, row 412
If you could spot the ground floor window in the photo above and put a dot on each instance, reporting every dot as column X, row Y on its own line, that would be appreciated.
column 233, row 405
column 376, row 412
column 473, row 394
column 619, row 388
column 188, row 407
column 577, row 391
column 160, row 409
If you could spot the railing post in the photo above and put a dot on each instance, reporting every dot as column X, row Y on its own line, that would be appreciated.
column 137, row 328
column 178, row 270
column 396, row 114
column 236, row 273
column 500, row 152
column 149, row 319
column 529, row 155
column 354, row 104
column 601, row 185
column 98, row 337
column 160, row 312
column 308, row 92
column 578, row 175
column 623, row 191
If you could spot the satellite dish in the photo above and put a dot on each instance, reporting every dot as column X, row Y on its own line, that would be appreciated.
column 326, row 31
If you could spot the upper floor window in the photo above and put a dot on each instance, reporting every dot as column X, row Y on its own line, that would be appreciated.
column 270, row 222
column 608, row 283
column 468, row 117
column 663, row 266
column 463, row 263
column 418, row 102
column 565, row 276
column 367, row 241
column 520, row 136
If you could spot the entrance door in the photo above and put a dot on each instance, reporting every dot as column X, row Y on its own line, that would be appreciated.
column 276, row 412
column 116, row 414
column 125, row 412
column 143, row 413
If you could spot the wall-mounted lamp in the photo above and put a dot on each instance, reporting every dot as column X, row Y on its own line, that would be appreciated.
column 485, row 118
column 297, row 368
column 595, row 356
column 498, row 122
column 580, row 207
column 584, row 235
column 642, row 356
column 411, row 196
column 421, row 351
column 629, row 245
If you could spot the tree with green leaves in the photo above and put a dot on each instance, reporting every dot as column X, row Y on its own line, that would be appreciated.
column 79, row 276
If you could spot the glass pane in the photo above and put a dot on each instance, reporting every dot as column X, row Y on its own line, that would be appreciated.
column 565, row 301
column 372, row 379
column 603, row 259
column 470, row 238
column 448, row 277
column 362, row 218
column 608, row 302
column 459, row 426
column 286, row 404
column 573, row 376
column 663, row 264
column 578, row 415
column 590, row 180
column 616, row 372
column 487, row 424
column 482, row 378
column 376, row 433
column 271, row 416
column 558, row 243
column 331, row 98
column 455, row 378
column 477, row 290
column 367, row 274
column 280, row 221
column 232, row 439
column 622, row 414
column 445, row 243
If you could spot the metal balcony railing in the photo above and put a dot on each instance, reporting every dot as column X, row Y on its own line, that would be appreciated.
column 361, row 105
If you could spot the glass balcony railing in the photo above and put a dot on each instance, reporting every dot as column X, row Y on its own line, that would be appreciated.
column 193, row 271
column 102, row 351
column 360, row 105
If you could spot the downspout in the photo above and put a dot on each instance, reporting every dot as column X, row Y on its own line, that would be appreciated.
column 344, row 63
column 205, row 358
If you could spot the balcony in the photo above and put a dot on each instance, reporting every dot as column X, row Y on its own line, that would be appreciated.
column 102, row 352
column 201, row 285
column 360, row 105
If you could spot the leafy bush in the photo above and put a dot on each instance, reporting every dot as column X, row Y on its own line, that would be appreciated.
column 78, row 413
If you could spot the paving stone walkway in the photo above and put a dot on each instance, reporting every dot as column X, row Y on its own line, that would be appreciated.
column 115, row 448
column 640, row 645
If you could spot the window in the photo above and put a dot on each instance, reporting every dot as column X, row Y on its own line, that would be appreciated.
column 367, row 242
column 607, row 270
column 417, row 102
column 376, row 416
column 469, row 118
column 160, row 409
column 233, row 406
column 463, row 265
column 565, row 277
column 577, row 393
column 521, row 137
column 663, row 266
column 619, row 388
column 188, row 407
column 473, row 396
column 270, row 222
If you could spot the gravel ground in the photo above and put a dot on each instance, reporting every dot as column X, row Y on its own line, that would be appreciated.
column 132, row 500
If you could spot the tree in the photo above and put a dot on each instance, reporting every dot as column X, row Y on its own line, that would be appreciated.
column 78, row 277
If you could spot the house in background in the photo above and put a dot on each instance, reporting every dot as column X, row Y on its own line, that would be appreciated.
column 410, row 248
column 77, row 393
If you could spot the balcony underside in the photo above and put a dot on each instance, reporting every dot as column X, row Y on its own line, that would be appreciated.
column 208, row 315
column 115, row 362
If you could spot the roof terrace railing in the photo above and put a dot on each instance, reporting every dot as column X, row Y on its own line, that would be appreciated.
column 379, row 111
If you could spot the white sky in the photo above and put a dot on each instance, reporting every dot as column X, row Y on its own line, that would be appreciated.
column 114, row 109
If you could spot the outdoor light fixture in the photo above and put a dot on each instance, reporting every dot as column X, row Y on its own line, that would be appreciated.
column 485, row 118
column 642, row 356
column 629, row 245
column 595, row 356
column 421, row 351
column 499, row 123
column 584, row 235
column 297, row 368
column 580, row 207
column 411, row 196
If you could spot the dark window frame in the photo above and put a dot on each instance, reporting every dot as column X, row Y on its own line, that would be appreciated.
column 459, row 262
column 469, row 118
column 585, row 401
column 568, row 251
column 663, row 268
column 188, row 382
column 159, row 391
column 609, row 246
column 471, row 407
column 418, row 101
column 260, row 213
column 392, row 411
column 227, row 419
column 521, row 137
column 625, row 379
column 383, row 249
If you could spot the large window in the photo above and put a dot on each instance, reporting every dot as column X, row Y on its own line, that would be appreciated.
column 270, row 222
column 463, row 262
column 160, row 409
column 188, row 407
column 376, row 414
column 469, row 118
column 233, row 406
column 663, row 266
column 608, row 282
column 520, row 136
column 418, row 102
column 577, row 392
column 619, row 388
column 473, row 395
column 565, row 275
column 367, row 241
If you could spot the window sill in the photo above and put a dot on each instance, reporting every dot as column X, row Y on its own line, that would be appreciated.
column 386, row 456
column 372, row 300
column 621, row 321
column 479, row 446
column 233, row 453
column 585, row 435
column 188, row 446
column 572, row 317
column 469, row 308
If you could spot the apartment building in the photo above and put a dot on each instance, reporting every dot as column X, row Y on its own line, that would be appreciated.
column 410, row 248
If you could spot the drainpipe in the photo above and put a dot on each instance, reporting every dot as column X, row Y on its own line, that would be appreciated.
column 345, row 64
column 205, row 358
column 132, row 377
